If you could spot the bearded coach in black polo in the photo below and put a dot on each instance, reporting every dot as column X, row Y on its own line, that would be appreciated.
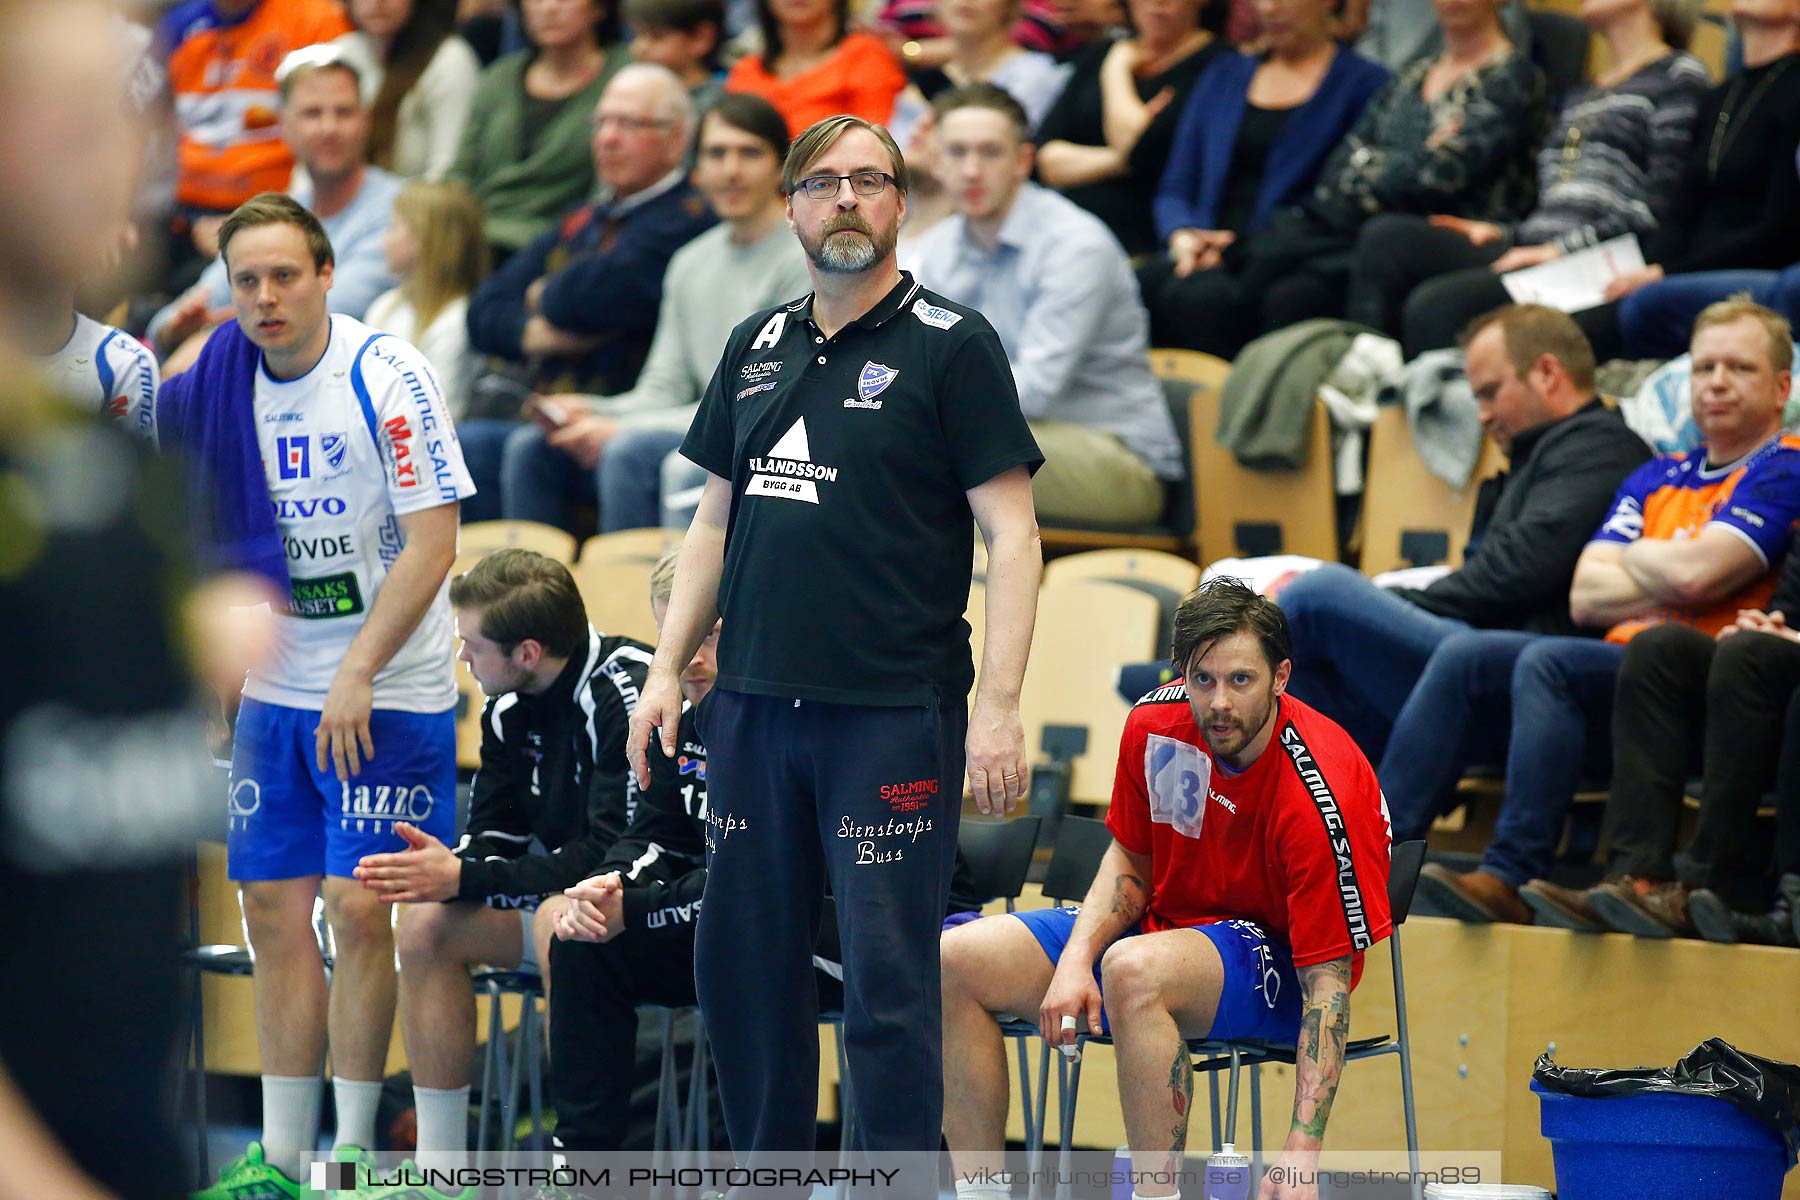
column 852, row 440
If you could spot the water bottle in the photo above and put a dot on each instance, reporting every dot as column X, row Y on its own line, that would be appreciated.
column 1121, row 1173
column 1228, row 1175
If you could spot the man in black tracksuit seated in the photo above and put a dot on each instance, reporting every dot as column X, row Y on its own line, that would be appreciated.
column 552, row 771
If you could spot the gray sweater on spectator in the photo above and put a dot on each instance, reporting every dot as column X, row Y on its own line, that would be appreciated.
column 1613, row 161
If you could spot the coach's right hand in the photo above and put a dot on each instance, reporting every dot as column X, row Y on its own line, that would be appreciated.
column 659, row 707
column 1073, row 991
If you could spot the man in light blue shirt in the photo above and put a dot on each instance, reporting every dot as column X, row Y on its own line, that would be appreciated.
column 1059, row 290
column 326, row 124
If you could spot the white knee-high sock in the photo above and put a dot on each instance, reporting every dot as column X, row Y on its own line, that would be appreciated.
column 980, row 1190
column 356, row 1101
column 290, row 1120
column 443, row 1115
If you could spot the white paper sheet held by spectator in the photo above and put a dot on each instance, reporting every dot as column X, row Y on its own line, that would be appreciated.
column 1576, row 281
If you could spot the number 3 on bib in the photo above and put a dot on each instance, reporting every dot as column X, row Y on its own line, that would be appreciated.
column 1176, row 776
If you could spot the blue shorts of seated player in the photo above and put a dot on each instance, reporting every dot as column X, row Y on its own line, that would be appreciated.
column 1259, row 998
column 289, row 819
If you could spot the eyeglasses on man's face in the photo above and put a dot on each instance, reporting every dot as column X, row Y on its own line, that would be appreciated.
column 826, row 187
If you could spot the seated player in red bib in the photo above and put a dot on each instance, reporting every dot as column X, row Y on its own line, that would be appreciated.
column 1247, row 876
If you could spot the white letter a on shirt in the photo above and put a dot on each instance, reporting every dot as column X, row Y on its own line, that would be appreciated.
column 771, row 333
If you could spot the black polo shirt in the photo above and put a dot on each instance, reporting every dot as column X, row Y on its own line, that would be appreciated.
column 848, row 549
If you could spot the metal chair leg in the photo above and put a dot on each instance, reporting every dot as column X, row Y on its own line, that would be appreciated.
column 490, row 1071
column 1256, row 1120
column 197, row 1015
column 534, row 1047
column 1025, row 1094
column 846, row 1098
column 1212, row 1086
column 1035, row 1150
column 1069, row 1076
column 703, row 1102
column 509, row 1110
column 1231, row 1096
column 847, row 1105
column 664, row 1133
column 1405, row 1054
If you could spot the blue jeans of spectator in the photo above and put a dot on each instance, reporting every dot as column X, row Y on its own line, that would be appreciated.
column 541, row 483
column 630, row 478
column 1358, row 649
column 1657, row 321
column 1458, row 713
column 483, row 443
column 1546, row 699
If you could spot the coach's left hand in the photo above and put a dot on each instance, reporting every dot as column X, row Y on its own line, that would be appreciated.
column 425, row 870
column 344, row 725
column 996, row 754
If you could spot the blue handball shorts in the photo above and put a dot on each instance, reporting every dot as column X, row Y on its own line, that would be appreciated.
column 1260, row 997
column 290, row 819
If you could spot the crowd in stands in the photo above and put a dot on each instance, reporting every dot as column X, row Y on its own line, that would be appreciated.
column 567, row 206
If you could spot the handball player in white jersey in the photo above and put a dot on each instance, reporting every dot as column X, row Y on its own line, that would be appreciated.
column 345, row 744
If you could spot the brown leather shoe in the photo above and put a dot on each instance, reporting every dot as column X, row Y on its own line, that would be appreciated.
column 1562, row 908
column 1476, row 896
column 1644, row 907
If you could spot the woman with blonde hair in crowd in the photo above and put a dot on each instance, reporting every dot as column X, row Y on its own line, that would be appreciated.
column 435, row 246
column 419, row 81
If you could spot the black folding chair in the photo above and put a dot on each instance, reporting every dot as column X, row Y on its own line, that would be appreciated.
column 999, row 855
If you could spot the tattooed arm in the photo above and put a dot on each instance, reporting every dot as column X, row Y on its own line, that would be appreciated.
column 1318, row 1065
column 1115, row 902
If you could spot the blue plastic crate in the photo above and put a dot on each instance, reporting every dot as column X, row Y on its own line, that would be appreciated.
column 1659, row 1144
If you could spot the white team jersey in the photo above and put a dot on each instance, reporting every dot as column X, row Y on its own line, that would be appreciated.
column 348, row 448
column 101, row 370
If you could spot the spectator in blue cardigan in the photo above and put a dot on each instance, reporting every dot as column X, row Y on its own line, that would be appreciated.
column 1253, row 135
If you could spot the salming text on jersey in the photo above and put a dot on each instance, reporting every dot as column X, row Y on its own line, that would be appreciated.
column 1349, row 891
